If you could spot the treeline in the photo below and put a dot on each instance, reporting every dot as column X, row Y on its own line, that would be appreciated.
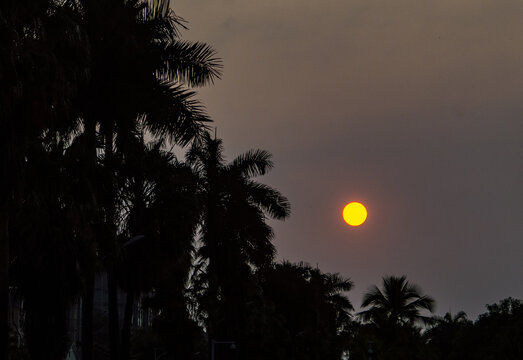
column 392, row 327
column 94, row 95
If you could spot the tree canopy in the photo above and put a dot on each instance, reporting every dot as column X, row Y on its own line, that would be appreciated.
column 96, row 98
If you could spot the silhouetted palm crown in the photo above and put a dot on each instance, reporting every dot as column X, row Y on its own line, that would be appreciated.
column 399, row 302
column 235, row 207
column 236, row 239
column 141, row 70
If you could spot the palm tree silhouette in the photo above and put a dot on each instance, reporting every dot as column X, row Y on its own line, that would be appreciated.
column 235, row 237
column 452, row 320
column 397, row 303
column 161, row 208
column 139, row 78
column 119, row 69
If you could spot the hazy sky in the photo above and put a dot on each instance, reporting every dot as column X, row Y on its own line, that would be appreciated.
column 413, row 107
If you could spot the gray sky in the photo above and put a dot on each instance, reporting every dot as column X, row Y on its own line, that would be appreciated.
column 413, row 107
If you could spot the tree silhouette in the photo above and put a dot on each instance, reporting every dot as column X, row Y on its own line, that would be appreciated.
column 446, row 336
column 161, row 214
column 46, row 247
column 498, row 333
column 235, row 237
column 397, row 303
column 40, row 70
column 139, row 75
column 312, row 311
column 390, row 321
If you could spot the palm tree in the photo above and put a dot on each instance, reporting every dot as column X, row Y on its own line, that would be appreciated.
column 129, row 43
column 83, row 175
column 391, row 317
column 141, row 72
column 453, row 320
column 235, row 237
column 140, row 76
column 398, row 303
column 160, row 207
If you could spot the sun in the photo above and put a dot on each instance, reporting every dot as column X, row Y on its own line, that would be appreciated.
column 354, row 214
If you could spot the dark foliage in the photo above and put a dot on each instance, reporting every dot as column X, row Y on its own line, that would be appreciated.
column 309, row 310
column 497, row 334
column 92, row 95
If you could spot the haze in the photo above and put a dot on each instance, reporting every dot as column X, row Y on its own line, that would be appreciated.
column 411, row 107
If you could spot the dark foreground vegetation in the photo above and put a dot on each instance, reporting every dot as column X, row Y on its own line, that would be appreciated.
column 94, row 95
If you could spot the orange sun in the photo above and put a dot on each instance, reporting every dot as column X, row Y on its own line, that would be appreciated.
column 354, row 214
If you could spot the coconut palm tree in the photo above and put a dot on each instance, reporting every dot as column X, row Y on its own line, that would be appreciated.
column 235, row 237
column 397, row 303
column 390, row 321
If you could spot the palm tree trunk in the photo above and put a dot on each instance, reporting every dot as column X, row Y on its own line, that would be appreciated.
column 88, row 297
column 4, row 281
column 113, row 313
column 126, row 328
column 111, row 267
column 87, row 317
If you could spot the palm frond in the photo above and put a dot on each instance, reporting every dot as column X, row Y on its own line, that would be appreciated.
column 157, row 16
column 153, row 9
column 252, row 163
column 398, row 302
column 336, row 283
column 341, row 301
column 423, row 302
column 192, row 63
column 173, row 112
column 269, row 199
column 373, row 296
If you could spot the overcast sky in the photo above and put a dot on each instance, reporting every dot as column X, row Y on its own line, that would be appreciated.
column 413, row 107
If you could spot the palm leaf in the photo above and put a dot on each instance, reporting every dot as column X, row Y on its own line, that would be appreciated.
column 269, row 199
column 173, row 112
column 252, row 163
column 192, row 63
